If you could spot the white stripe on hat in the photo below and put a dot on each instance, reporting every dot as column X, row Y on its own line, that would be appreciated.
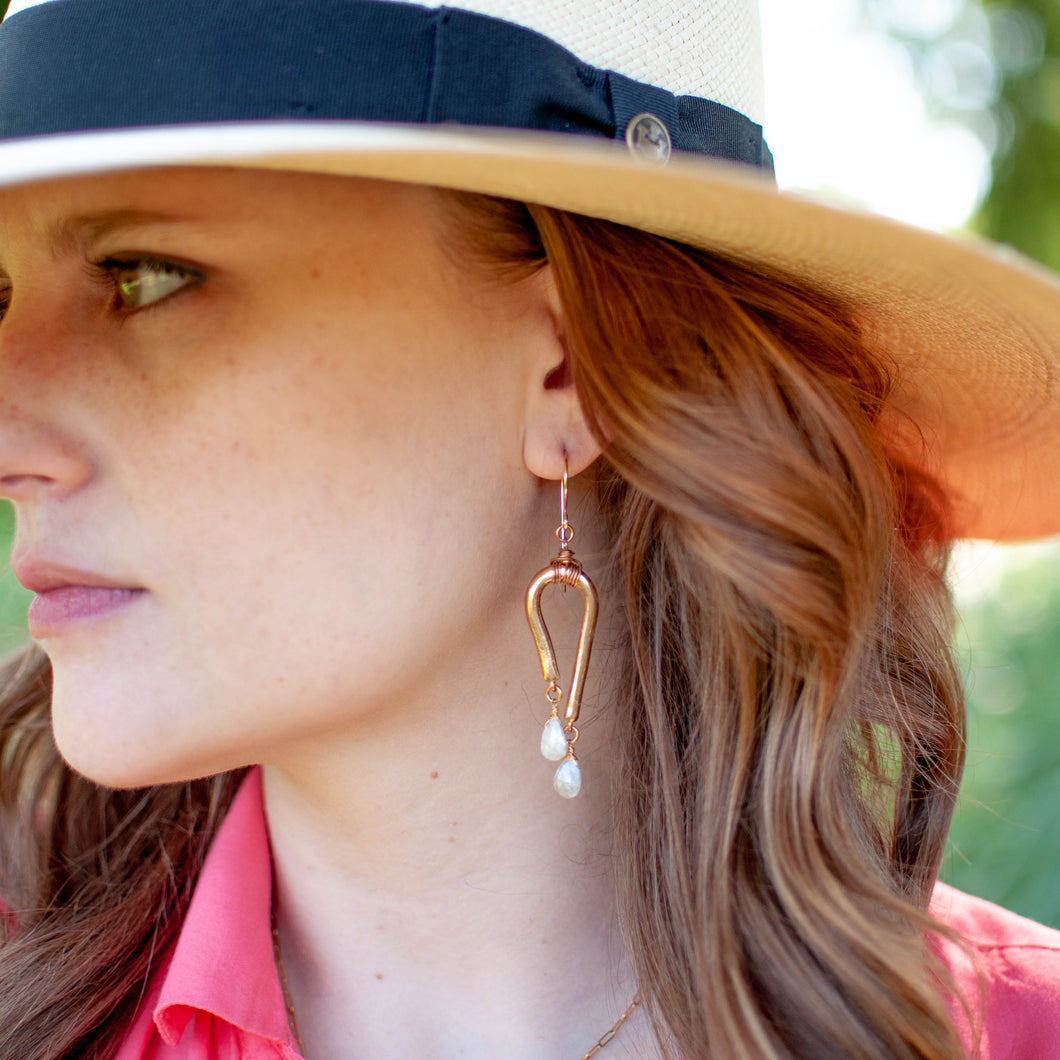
column 21, row 5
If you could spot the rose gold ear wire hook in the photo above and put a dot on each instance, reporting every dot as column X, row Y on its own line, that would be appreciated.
column 564, row 532
column 564, row 570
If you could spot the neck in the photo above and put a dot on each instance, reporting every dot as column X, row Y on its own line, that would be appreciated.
column 435, row 897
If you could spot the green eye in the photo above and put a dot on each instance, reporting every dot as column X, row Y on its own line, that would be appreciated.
column 142, row 283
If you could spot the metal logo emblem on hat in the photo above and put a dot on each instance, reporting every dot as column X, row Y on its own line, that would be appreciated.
column 643, row 112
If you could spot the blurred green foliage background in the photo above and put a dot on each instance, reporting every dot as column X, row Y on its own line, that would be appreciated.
column 13, row 598
column 1005, row 840
column 993, row 65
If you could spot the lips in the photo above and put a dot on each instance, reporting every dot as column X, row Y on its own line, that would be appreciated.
column 67, row 595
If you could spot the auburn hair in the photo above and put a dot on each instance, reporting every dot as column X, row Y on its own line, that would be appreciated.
column 791, row 713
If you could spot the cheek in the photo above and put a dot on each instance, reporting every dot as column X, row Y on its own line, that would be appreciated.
column 322, row 524
column 326, row 514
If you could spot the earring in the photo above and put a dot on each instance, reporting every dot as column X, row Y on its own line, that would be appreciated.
column 558, row 738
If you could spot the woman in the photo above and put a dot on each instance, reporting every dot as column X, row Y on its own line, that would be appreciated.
column 292, row 412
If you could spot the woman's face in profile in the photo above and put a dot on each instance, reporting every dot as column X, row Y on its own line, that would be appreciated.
column 253, row 426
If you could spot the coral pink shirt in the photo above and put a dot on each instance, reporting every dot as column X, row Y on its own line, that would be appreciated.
column 218, row 997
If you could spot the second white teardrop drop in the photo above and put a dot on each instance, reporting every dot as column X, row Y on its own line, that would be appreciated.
column 568, row 779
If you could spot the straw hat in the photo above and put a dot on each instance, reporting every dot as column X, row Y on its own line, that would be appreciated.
column 645, row 112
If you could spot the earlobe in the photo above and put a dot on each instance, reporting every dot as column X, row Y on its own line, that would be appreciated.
column 555, row 422
column 544, row 451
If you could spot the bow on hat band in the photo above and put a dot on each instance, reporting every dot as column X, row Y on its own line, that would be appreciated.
column 79, row 65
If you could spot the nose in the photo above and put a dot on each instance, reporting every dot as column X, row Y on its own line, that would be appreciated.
column 32, row 461
column 39, row 452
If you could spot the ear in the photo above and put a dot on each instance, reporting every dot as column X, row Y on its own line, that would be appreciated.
column 555, row 423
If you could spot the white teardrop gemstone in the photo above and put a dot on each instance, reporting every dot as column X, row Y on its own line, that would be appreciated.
column 568, row 781
column 553, row 740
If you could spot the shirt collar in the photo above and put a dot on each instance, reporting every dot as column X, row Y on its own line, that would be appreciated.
column 223, row 962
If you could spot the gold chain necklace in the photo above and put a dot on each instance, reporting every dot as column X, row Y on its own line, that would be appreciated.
column 292, row 1020
column 615, row 1027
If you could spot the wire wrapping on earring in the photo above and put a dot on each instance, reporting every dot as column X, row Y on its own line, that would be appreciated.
column 558, row 738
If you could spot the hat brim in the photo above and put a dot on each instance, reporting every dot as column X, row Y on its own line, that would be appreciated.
column 971, row 330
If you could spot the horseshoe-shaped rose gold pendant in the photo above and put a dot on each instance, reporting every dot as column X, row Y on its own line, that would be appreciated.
column 558, row 738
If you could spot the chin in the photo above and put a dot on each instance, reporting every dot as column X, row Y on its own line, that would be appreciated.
column 117, row 736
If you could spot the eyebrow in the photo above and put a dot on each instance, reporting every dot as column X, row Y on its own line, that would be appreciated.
column 84, row 229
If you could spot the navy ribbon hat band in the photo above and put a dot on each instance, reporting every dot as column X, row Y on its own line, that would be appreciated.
column 79, row 65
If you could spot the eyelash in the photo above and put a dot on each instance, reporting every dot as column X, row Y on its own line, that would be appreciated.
column 110, row 271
